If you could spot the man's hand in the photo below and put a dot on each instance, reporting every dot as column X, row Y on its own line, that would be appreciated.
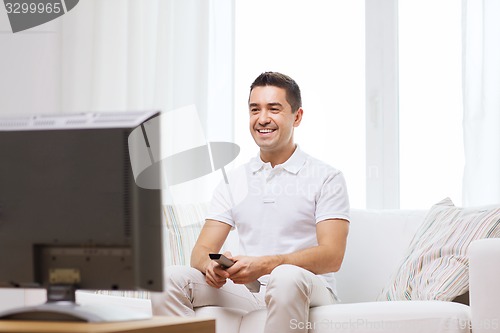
column 248, row 269
column 215, row 275
column 212, row 236
column 324, row 258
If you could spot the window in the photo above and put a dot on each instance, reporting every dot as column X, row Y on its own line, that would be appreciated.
column 320, row 44
column 407, row 152
column 430, row 102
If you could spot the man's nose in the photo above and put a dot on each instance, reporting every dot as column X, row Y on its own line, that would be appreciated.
column 264, row 117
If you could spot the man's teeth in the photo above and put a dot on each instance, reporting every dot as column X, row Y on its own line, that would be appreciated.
column 265, row 131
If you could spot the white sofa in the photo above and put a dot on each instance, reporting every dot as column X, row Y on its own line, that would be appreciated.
column 377, row 242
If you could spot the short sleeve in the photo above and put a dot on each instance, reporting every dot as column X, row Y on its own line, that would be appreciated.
column 220, row 205
column 333, row 200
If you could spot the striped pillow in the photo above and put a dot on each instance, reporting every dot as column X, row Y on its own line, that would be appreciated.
column 436, row 264
column 183, row 224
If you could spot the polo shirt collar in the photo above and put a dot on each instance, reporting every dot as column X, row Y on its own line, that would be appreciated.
column 292, row 165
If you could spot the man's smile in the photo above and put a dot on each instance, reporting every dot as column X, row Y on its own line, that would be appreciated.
column 266, row 130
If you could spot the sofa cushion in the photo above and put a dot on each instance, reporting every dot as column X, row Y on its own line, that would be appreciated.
column 380, row 317
column 436, row 263
column 377, row 243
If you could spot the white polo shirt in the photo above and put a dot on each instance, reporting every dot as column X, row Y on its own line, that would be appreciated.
column 275, row 210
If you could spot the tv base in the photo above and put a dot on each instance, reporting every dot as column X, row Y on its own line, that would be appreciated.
column 61, row 306
column 68, row 311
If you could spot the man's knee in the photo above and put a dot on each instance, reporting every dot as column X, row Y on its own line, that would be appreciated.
column 176, row 295
column 287, row 274
column 180, row 275
column 287, row 281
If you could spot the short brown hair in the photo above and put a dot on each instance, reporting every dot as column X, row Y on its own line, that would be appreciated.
column 280, row 80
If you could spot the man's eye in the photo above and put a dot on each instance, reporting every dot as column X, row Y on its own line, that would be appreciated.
column 254, row 110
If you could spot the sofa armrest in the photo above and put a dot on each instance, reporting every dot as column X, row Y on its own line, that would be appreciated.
column 484, row 286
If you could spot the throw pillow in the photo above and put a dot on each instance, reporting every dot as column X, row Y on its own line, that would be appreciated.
column 436, row 264
column 183, row 224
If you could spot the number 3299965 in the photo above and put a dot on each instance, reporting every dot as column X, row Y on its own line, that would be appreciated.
column 32, row 7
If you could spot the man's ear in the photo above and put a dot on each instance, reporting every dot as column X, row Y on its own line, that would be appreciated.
column 298, row 117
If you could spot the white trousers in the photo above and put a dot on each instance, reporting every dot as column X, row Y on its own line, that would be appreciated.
column 290, row 292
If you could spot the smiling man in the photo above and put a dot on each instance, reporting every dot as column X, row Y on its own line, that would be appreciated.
column 272, row 121
column 291, row 212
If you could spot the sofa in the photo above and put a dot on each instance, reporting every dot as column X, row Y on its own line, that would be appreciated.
column 378, row 244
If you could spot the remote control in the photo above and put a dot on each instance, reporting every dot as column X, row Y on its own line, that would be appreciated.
column 221, row 259
column 225, row 262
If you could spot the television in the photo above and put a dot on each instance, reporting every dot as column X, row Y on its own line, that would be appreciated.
column 71, row 215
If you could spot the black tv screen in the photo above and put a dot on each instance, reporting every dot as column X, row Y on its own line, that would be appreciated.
column 70, row 210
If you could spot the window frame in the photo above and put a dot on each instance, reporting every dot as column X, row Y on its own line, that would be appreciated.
column 382, row 104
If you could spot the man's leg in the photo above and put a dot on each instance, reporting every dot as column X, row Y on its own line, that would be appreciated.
column 290, row 293
column 186, row 289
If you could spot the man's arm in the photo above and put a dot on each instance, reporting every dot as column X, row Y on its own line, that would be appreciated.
column 326, row 257
column 211, row 238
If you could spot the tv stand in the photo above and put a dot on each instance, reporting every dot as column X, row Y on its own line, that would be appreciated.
column 61, row 306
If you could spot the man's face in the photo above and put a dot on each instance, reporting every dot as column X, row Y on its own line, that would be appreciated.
column 271, row 119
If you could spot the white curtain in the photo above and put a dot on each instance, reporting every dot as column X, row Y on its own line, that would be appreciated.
column 153, row 54
column 481, row 52
column 125, row 55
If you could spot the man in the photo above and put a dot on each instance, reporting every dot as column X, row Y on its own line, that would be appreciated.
column 291, row 213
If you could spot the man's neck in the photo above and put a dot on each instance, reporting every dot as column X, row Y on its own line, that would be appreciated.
column 277, row 157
